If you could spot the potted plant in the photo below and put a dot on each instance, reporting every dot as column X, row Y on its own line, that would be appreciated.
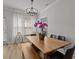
column 42, row 26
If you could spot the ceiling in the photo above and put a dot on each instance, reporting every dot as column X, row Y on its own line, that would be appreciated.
column 23, row 4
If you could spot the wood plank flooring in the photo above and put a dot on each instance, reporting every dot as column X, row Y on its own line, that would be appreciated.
column 14, row 51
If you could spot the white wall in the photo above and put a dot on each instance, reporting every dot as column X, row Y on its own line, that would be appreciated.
column 61, row 18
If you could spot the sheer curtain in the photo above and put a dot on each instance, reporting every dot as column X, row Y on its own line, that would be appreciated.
column 23, row 23
column 18, row 24
column 4, row 29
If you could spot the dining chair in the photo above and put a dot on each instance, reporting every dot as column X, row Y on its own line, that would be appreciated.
column 61, row 37
column 32, row 34
column 53, row 36
column 68, row 55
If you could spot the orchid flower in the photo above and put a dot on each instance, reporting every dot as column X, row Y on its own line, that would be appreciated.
column 41, row 24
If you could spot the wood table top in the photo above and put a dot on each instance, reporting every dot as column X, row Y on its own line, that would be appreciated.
column 48, row 45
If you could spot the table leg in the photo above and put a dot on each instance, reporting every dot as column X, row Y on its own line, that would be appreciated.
column 46, row 56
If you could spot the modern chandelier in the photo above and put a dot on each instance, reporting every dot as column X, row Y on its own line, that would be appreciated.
column 32, row 11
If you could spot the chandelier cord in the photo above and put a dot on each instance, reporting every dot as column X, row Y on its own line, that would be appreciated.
column 32, row 3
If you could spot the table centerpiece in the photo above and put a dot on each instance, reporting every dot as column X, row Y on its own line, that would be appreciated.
column 42, row 26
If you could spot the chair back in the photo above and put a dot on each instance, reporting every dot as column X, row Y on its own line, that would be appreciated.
column 61, row 38
column 52, row 36
column 69, row 53
column 32, row 34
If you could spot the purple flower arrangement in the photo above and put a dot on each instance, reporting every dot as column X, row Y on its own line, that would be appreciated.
column 41, row 25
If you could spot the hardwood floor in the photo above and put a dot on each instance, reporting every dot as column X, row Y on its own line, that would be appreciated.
column 14, row 51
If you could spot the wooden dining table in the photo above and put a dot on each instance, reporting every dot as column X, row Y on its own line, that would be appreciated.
column 48, row 45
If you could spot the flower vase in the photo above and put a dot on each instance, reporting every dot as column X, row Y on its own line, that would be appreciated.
column 41, row 36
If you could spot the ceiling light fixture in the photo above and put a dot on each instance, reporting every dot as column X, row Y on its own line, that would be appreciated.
column 32, row 11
